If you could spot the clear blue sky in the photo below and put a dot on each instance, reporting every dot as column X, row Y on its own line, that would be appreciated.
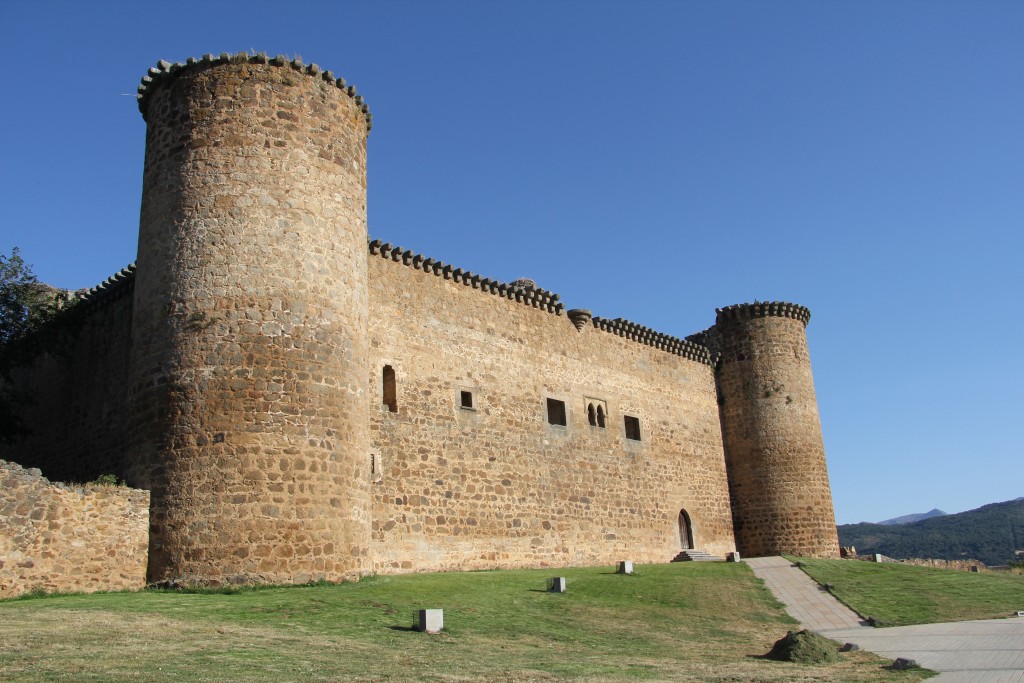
column 650, row 160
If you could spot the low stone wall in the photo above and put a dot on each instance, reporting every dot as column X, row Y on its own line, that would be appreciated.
column 63, row 538
column 959, row 565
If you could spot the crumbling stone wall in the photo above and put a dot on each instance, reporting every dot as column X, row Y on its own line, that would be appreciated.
column 64, row 538
column 496, row 485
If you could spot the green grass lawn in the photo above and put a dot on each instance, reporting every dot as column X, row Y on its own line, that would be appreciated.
column 900, row 595
column 679, row 622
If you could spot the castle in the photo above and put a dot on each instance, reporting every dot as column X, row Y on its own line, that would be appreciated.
column 304, row 403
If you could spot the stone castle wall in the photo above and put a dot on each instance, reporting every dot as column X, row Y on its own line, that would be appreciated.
column 305, row 406
column 69, row 539
column 496, row 485
column 77, row 398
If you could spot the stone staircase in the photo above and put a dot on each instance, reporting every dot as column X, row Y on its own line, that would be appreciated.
column 696, row 556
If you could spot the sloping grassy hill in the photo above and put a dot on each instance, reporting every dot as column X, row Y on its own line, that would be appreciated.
column 680, row 622
column 900, row 594
column 990, row 534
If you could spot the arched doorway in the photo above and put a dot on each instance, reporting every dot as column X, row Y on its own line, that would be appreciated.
column 685, row 531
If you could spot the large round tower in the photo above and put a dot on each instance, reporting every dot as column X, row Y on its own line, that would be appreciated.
column 778, row 479
column 249, row 355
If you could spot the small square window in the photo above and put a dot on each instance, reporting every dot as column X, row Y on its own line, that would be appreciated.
column 466, row 399
column 632, row 428
column 556, row 412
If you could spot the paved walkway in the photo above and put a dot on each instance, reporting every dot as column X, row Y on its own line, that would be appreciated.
column 964, row 652
column 804, row 599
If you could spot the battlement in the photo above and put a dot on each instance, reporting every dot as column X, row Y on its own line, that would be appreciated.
column 114, row 287
column 645, row 335
column 165, row 71
column 763, row 309
column 520, row 291
column 336, row 405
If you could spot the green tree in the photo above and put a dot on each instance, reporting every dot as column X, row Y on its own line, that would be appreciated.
column 25, row 306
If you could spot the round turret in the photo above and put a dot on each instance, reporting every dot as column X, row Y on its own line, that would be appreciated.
column 778, row 479
column 248, row 367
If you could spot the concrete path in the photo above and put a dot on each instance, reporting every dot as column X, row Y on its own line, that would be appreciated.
column 975, row 651
column 964, row 652
column 804, row 599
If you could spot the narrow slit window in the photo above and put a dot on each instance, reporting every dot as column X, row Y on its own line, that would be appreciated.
column 600, row 417
column 376, row 474
column 556, row 412
column 632, row 428
column 466, row 399
column 591, row 415
column 390, row 390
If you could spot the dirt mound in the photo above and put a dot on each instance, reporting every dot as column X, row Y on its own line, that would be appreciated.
column 804, row 647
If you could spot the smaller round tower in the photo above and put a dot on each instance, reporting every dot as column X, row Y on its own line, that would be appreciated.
column 778, row 479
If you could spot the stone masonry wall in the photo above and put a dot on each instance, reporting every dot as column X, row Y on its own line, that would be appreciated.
column 781, row 498
column 496, row 485
column 77, row 398
column 69, row 539
column 958, row 565
column 249, row 419
column 241, row 377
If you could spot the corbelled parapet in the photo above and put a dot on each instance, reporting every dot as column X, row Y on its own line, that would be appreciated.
column 580, row 317
column 114, row 287
column 645, row 335
column 763, row 309
column 249, row 415
column 530, row 296
column 164, row 71
column 778, row 477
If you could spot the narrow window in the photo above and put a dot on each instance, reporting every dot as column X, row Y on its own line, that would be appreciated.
column 556, row 412
column 591, row 415
column 600, row 417
column 466, row 397
column 632, row 428
column 390, row 391
column 375, row 468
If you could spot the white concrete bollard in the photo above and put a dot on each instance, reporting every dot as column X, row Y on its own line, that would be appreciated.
column 430, row 620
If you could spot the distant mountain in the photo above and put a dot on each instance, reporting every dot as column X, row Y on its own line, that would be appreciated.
column 990, row 534
column 915, row 517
